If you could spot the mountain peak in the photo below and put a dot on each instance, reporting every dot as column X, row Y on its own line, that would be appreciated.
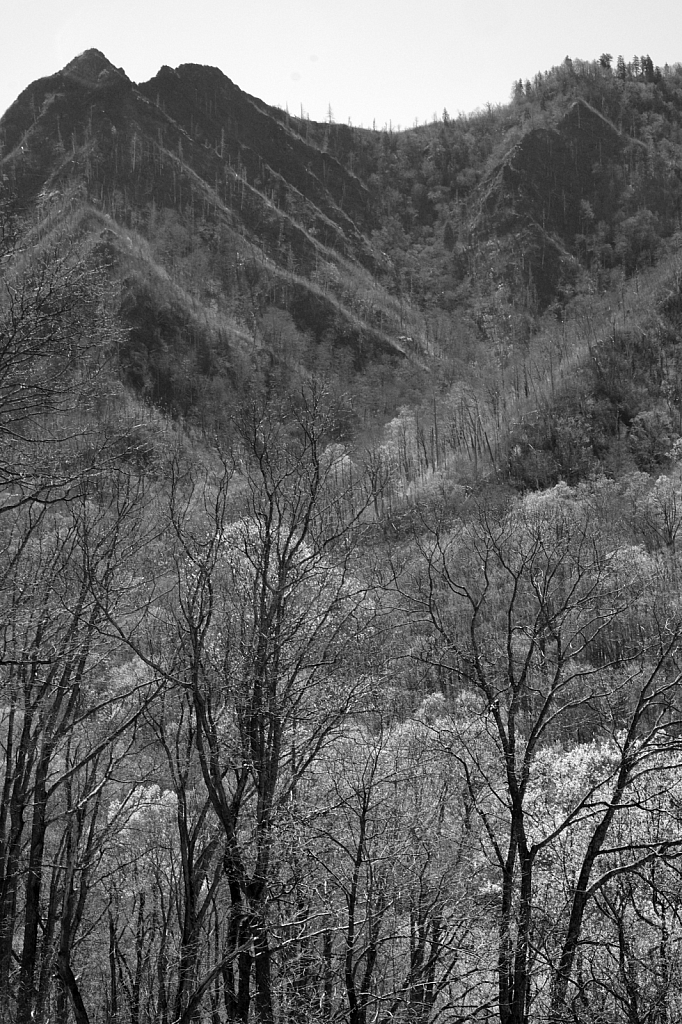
column 92, row 67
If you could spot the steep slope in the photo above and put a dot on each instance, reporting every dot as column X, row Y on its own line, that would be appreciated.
column 188, row 137
column 236, row 178
column 549, row 191
column 553, row 172
column 248, row 244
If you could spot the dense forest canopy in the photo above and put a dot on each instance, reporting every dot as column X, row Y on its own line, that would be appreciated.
column 340, row 512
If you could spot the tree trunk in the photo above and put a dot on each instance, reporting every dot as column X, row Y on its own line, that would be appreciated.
column 68, row 980
column 33, row 887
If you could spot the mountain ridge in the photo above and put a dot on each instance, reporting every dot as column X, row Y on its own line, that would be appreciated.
column 437, row 252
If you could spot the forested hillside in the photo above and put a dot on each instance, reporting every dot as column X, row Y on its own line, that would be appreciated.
column 340, row 559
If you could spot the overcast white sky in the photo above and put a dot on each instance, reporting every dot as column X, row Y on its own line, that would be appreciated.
column 371, row 60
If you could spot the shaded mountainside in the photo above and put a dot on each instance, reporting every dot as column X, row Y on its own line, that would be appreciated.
column 401, row 265
column 188, row 138
column 551, row 187
column 211, row 178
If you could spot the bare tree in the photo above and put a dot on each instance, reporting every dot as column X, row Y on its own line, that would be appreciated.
column 558, row 638
column 263, row 627
column 57, row 334
column 56, row 687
